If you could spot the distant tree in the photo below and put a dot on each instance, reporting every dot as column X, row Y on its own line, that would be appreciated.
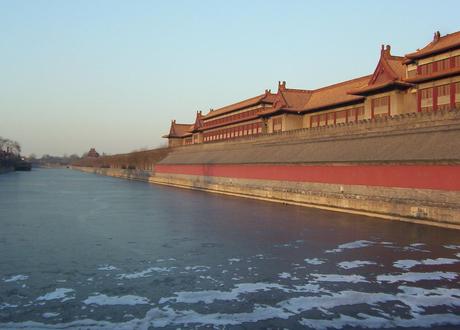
column 16, row 147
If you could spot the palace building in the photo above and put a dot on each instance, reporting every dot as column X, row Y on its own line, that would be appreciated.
column 425, row 80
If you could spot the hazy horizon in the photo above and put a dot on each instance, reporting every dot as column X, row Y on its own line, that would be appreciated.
column 113, row 74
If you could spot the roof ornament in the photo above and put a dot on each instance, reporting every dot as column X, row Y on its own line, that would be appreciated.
column 437, row 36
column 267, row 92
column 385, row 51
column 281, row 85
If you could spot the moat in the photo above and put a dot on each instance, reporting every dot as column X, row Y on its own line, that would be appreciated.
column 85, row 251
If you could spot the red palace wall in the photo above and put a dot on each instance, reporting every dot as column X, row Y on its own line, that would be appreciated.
column 439, row 177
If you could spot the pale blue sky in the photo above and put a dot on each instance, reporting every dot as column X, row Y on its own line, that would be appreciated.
column 112, row 74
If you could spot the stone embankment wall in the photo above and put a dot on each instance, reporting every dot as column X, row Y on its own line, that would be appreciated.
column 406, row 167
column 6, row 169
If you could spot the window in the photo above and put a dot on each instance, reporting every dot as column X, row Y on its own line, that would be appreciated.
column 277, row 124
column 380, row 106
column 443, row 101
column 426, row 100
column 456, row 61
column 425, row 69
column 341, row 117
column 457, row 94
column 443, row 65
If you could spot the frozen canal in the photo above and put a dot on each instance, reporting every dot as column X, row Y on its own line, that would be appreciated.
column 85, row 251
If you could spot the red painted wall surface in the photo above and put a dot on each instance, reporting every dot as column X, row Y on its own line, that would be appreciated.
column 440, row 177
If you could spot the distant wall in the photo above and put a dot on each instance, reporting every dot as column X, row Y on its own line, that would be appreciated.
column 141, row 160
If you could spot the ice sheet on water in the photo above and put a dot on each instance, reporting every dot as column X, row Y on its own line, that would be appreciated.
column 374, row 322
column 338, row 278
column 16, row 278
column 60, row 293
column 408, row 263
column 351, row 245
column 314, row 261
column 417, row 300
column 102, row 299
column 355, row 264
column 415, row 277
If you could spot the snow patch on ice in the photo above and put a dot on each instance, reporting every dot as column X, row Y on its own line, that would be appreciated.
column 59, row 293
column 16, row 278
column 197, row 268
column 209, row 296
column 338, row 278
column 350, row 245
column 107, row 267
column 314, row 261
column 355, row 264
column 407, row 264
column 102, row 299
column 145, row 273
column 415, row 277
column 452, row 247
column 6, row 305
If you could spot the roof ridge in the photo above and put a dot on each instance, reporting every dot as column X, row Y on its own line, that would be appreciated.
column 235, row 103
column 298, row 90
column 395, row 57
column 446, row 35
column 342, row 83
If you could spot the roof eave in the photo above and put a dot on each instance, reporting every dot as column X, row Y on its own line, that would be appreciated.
column 369, row 90
column 421, row 79
column 359, row 99
column 411, row 57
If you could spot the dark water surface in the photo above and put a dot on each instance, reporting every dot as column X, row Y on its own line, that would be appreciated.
column 84, row 251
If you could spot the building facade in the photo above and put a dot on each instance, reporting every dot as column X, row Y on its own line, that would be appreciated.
column 425, row 80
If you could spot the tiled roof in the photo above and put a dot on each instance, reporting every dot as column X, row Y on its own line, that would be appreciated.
column 179, row 130
column 438, row 45
column 335, row 94
column 267, row 97
column 296, row 98
column 397, row 66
